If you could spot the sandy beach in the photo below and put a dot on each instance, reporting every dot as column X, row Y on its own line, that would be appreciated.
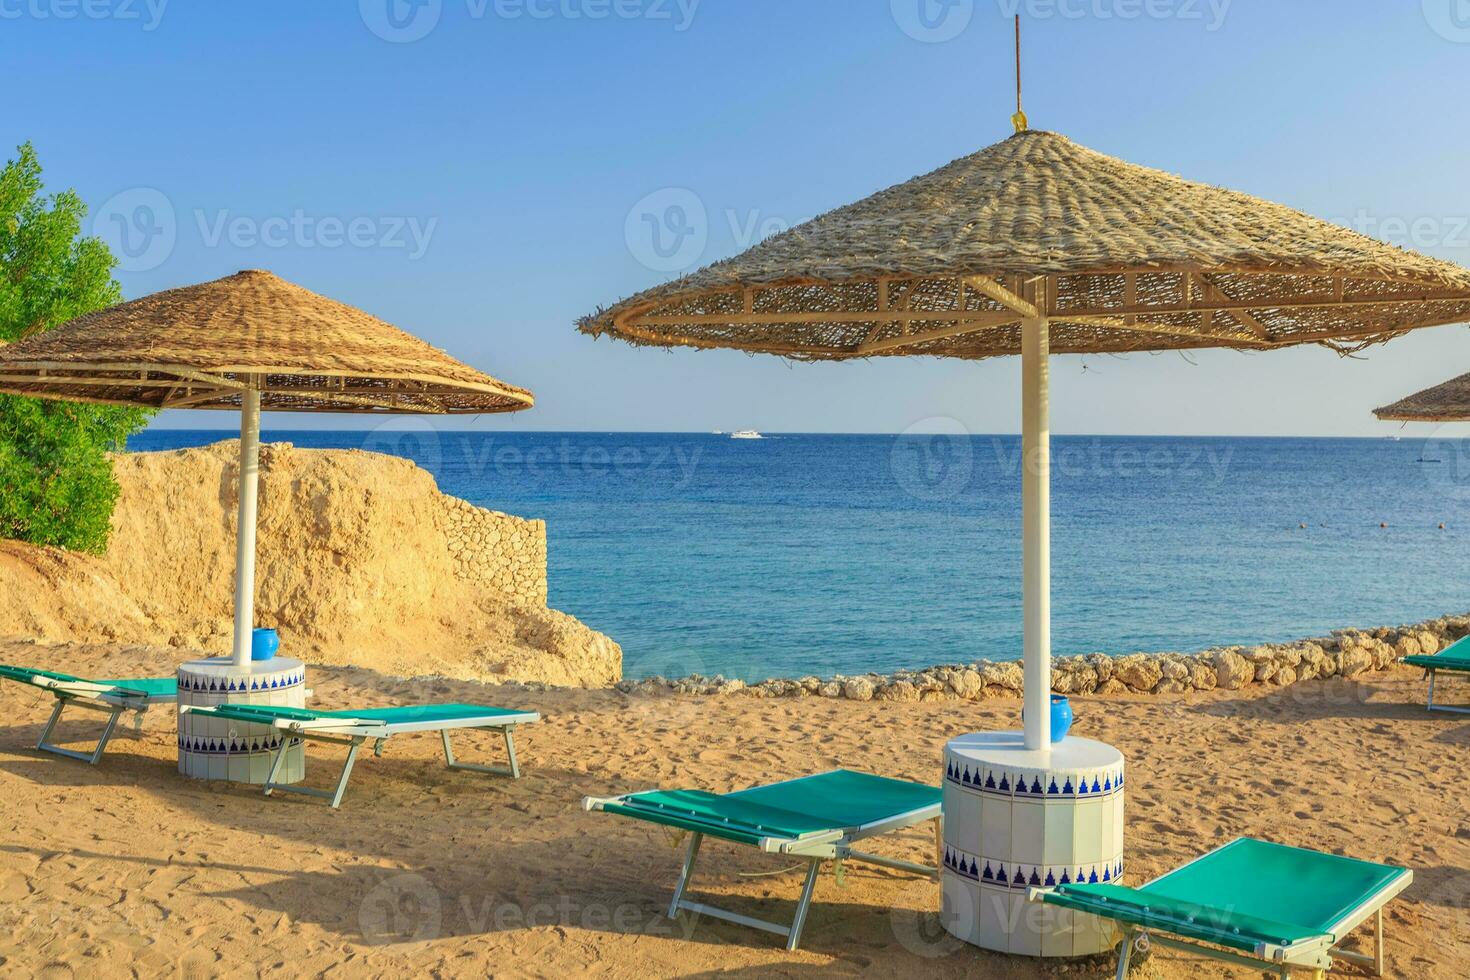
column 712, row 382
column 127, row 868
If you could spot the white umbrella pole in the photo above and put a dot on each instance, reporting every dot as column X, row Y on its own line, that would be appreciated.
column 1036, row 530
column 245, row 527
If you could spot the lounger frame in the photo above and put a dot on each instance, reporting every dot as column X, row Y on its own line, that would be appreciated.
column 1432, row 672
column 354, row 740
column 104, row 698
column 815, row 849
column 353, row 732
column 1451, row 661
column 1314, row 954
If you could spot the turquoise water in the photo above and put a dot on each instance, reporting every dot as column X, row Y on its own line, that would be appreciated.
column 820, row 554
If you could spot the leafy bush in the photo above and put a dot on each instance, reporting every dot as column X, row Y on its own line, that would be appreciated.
column 56, row 483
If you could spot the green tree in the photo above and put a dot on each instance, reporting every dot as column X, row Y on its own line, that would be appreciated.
column 56, row 482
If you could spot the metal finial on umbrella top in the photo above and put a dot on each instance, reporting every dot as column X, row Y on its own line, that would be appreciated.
column 1018, row 119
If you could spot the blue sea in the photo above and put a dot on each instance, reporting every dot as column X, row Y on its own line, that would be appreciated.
column 820, row 554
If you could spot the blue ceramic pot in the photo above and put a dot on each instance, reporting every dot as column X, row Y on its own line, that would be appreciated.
column 1061, row 717
column 263, row 644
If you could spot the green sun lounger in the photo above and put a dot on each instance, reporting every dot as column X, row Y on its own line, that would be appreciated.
column 112, row 698
column 1251, row 903
column 816, row 818
column 1455, row 657
column 352, row 728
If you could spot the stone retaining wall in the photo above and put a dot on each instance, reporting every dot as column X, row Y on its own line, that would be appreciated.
column 500, row 552
column 1346, row 653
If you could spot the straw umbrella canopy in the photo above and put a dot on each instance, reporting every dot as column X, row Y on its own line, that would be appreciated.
column 1448, row 402
column 1037, row 245
column 244, row 343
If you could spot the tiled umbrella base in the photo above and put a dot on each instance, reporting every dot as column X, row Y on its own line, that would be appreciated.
column 1015, row 819
column 217, row 748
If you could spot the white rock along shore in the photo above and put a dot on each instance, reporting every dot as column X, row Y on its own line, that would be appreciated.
column 1346, row 653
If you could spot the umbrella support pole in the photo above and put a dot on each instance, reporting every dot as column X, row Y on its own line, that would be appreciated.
column 1036, row 531
column 245, row 527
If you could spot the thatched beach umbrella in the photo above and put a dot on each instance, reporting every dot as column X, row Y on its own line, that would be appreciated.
column 1033, row 246
column 1448, row 402
column 244, row 343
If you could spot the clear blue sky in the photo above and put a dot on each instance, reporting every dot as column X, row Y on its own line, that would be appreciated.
column 489, row 168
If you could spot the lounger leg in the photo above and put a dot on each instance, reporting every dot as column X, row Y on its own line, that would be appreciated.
column 1125, row 953
column 1433, row 675
column 270, row 777
column 510, row 750
column 1378, row 946
column 51, row 724
column 346, row 771
column 106, row 734
column 813, row 871
column 513, row 770
column 44, row 744
column 333, row 795
column 791, row 932
column 685, row 874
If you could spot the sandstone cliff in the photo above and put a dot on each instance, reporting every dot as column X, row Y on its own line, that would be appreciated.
column 360, row 560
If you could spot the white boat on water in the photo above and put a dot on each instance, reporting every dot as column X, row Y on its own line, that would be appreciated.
column 746, row 434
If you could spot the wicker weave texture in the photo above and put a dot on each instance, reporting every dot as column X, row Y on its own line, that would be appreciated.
column 1448, row 402
column 201, row 346
column 1121, row 257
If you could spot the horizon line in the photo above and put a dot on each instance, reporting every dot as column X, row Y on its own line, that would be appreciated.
column 234, row 433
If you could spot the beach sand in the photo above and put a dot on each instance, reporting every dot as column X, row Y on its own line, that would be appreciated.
column 127, row 868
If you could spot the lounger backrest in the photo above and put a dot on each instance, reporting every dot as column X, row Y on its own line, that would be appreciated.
column 1273, row 881
column 409, row 713
column 1233, row 927
column 1457, row 654
column 843, row 798
column 140, row 687
column 399, row 715
column 29, row 675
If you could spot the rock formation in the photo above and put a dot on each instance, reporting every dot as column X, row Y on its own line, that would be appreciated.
column 360, row 560
column 1346, row 653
